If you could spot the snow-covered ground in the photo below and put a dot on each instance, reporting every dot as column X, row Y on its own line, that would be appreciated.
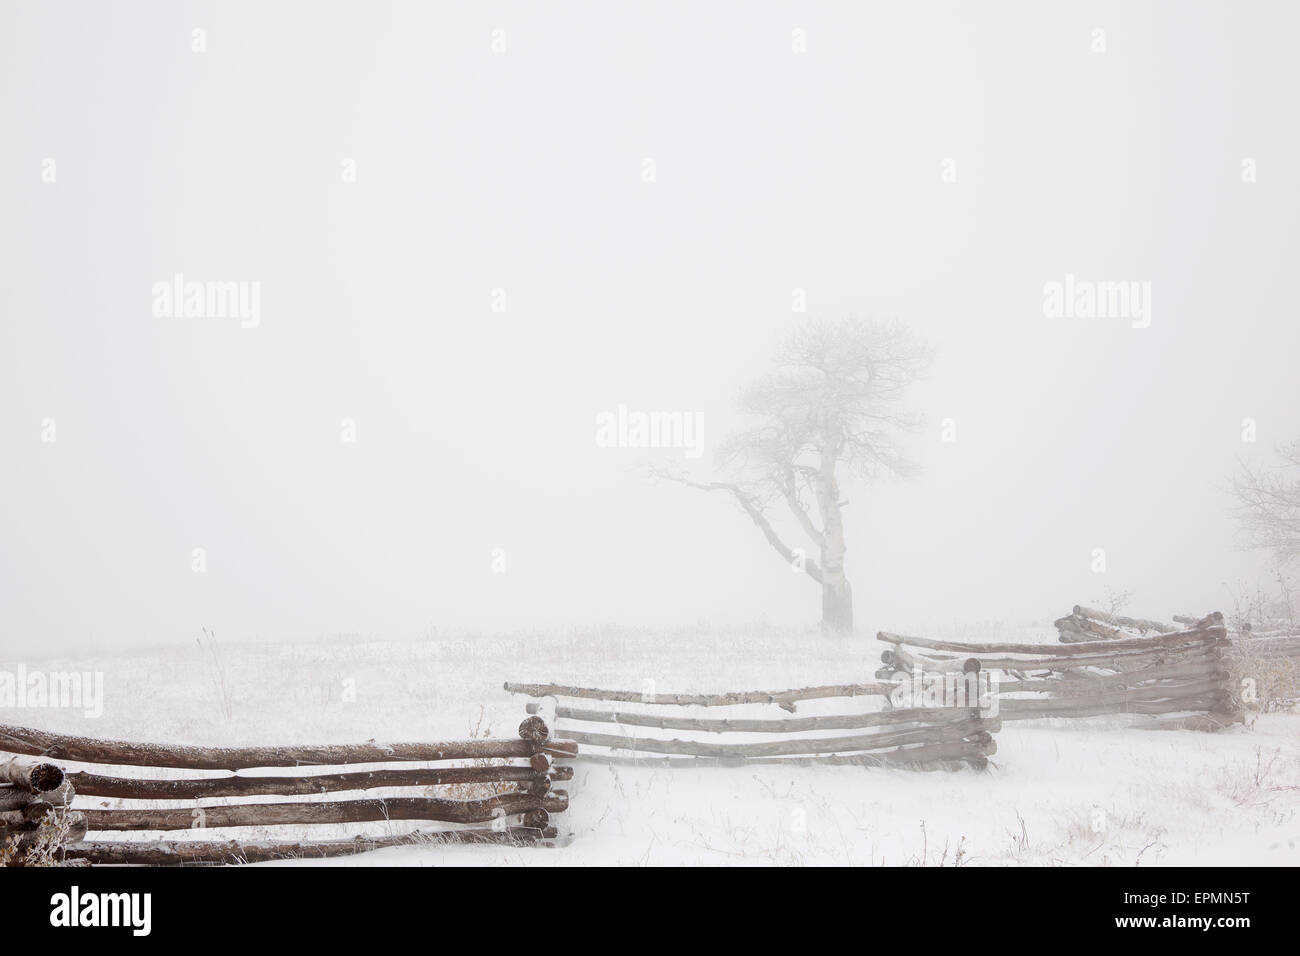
column 1094, row 792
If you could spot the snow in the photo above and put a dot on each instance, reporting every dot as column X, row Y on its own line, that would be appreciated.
column 1083, row 792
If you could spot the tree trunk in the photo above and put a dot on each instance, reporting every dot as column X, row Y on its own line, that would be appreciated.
column 837, row 602
column 837, row 596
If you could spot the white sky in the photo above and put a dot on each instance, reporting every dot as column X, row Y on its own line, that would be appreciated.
column 522, row 170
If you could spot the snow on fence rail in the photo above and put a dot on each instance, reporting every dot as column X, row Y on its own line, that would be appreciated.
column 1085, row 625
column 1170, row 673
column 916, row 739
column 517, row 777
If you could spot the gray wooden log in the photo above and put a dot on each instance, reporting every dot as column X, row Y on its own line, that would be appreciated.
column 180, row 852
column 701, row 700
column 343, row 811
column 34, row 776
column 920, row 757
column 1088, row 630
column 14, row 823
column 24, row 740
column 1120, row 620
column 1073, row 683
column 906, row 661
column 967, row 649
column 1160, row 691
column 11, row 798
column 824, row 745
column 136, row 788
column 927, row 716
column 1055, row 707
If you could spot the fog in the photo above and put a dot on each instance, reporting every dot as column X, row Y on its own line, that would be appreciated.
column 462, row 259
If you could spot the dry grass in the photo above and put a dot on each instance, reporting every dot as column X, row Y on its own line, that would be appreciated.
column 479, row 729
column 1261, row 682
column 48, row 846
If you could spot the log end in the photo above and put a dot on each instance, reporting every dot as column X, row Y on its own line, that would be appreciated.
column 534, row 729
column 45, row 777
column 536, row 819
column 541, row 762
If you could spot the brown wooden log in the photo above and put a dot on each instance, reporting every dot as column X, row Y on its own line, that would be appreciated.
column 179, row 852
column 562, row 749
column 536, row 819
column 534, row 729
column 542, row 762
column 135, row 788
column 767, row 725
column 701, row 700
column 24, row 740
column 342, row 811
column 34, row 776
column 539, row 786
column 823, row 745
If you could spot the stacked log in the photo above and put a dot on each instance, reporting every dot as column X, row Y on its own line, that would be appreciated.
column 912, row 738
column 1086, row 625
column 1169, row 673
column 519, row 778
column 34, row 803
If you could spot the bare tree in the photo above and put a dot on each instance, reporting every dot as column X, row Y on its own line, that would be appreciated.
column 1268, row 505
column 828, row 409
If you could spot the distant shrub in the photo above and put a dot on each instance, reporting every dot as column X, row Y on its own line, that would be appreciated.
column 1273, row 679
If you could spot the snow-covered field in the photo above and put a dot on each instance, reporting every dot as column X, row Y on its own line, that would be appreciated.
column 1094, row 792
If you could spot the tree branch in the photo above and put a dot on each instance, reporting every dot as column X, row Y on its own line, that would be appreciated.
column 801, row 515
column 755, row 512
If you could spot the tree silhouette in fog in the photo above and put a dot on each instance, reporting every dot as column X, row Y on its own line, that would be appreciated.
column 829, row 411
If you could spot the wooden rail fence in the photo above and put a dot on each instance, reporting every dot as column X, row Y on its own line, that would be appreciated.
column 1086, row 625
column 628, row 726
column 1179, row 675
column 507, row 778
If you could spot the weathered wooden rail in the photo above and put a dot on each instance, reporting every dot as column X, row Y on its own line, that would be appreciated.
column 1087, row 625
column 635, row 732
column 1178, row 674
column 504, row 779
